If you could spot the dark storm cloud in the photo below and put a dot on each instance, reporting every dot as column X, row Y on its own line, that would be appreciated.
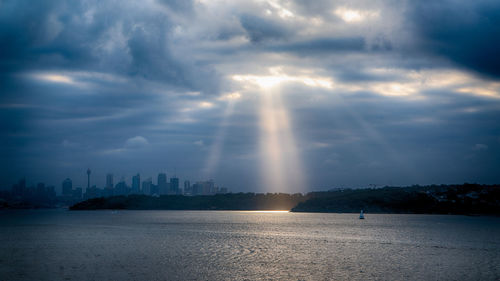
column 102, row 37
column 179, row 6
column 126, row 86
column 372, row 135
column 261, row 29
column 113, row 56
column 323, row 45
column 466, row 32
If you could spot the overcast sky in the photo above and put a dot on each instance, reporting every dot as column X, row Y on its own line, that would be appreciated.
column 258, row 95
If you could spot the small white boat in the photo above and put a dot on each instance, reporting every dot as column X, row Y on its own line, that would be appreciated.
column 361, row 215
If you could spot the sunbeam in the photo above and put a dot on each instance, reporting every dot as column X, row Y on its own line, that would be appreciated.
column 215, row 152
column 280, row 165
column 281, row 168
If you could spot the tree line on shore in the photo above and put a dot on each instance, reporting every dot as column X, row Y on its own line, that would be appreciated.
column 432, row 199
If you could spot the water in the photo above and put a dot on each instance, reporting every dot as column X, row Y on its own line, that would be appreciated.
column 213, row 245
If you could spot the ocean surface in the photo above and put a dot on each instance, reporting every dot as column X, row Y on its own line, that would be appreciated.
column 220, row 245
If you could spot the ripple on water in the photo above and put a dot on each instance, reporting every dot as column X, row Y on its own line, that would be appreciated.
column 170, row 245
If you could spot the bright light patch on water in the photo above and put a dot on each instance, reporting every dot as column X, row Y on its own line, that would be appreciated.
column 264, row 211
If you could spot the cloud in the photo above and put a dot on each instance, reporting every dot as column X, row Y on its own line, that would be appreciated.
column 124, row 86
column 353, row 16
column 323, row 45
column 183, row 6
column 466, row 32
column 136, row 142
column 79, row 36
column 261, row 29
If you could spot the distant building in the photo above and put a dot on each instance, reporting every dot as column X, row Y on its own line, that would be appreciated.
column 136, row 182
column 187, row 188
column 121, row 188
column 162, row 184
column 92, row 192
column 155, row 191
column 19, row 189
column 77, row 193
column 174, row 186
column 203, row 188
column 67, row 187
column 146, row 187
column 40, row 192
column 109, row 181
column 50, row 193
column 209, row 187
column 197, row 188
column 88, row 178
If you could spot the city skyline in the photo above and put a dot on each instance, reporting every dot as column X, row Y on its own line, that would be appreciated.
column 24, row 194
column 69, row 184
column 99, row 178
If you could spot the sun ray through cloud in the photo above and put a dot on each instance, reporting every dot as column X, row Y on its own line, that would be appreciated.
column 281, row 168
column 280, row 164
column 215, row 151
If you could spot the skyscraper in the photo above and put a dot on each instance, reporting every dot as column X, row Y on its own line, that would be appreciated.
column 77, row 193
column 67, row 187
column 187, row 188
column 121, row 188
column 136, row 182
column 162, row 184
column 109, row 181
column 208, row 187
column 146, row 186
column 88, row 178
column 174, row 185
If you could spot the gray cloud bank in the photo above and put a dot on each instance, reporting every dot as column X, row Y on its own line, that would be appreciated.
column 378, row 92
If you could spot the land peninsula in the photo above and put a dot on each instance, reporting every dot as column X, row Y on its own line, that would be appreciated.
column 432, row 199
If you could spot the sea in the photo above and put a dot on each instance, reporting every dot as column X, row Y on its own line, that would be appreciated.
column 245, row 245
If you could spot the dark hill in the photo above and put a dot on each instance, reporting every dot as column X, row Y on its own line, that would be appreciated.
column 455, row 199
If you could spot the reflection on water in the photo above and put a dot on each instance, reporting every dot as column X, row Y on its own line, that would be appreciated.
column 216, row 245
column 267, row 211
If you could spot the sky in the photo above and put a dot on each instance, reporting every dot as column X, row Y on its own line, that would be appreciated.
column 285, row 96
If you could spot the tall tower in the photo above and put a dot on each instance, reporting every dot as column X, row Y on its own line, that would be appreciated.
column 88, row 178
